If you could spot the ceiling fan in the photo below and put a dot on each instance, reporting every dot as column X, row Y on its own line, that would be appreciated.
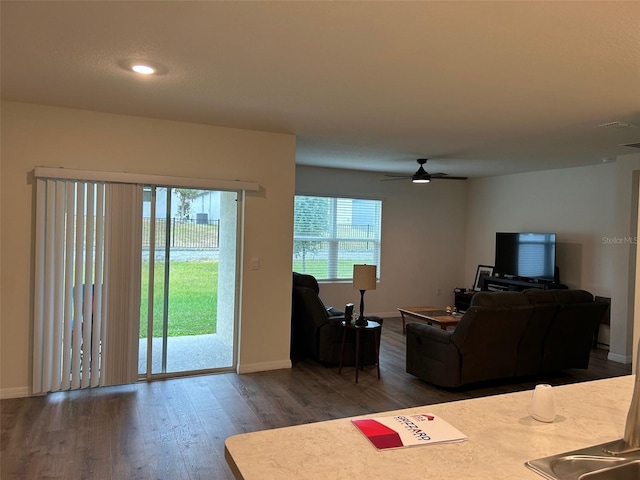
column 422, row 176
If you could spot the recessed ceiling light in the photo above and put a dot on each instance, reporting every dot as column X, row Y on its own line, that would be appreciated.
column 142, row 66
column 143, row 69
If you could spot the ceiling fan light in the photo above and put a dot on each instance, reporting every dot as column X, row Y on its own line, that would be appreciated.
column 143, row 69
column 420, row 180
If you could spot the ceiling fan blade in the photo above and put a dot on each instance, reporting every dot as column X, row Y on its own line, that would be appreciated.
column 444, row 176
column 421, row 175
column 395, row 177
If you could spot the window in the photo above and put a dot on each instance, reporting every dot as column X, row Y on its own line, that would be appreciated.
column 331, row 234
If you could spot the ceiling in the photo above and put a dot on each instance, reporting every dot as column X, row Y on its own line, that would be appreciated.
column 481, row 88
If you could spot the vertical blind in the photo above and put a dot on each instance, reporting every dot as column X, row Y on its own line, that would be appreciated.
column 69, row 280
column 73, row 292
column 124, row 262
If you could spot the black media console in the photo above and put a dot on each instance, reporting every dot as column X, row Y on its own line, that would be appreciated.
column 498, row 284
column 462, row 300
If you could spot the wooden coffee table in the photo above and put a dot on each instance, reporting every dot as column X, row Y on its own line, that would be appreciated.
column 431, row 315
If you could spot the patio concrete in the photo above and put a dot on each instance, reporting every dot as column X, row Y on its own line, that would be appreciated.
column 193, row 352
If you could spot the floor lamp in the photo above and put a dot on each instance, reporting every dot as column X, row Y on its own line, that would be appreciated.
column 364, row 278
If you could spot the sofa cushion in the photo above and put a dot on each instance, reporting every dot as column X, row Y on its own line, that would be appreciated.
column 572, row 296
column 568, row 342
column 489, row 334
column 498, row 299
column 537, row 296
column 531, row 346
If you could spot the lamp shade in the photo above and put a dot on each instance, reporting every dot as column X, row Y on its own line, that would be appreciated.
column 364, row 277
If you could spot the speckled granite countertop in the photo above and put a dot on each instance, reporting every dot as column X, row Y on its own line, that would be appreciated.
column 501, row 437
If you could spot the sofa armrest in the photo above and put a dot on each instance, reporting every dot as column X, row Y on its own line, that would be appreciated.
column 336, row 321
column 432, row 356
column 334, row 312
column 429, row 332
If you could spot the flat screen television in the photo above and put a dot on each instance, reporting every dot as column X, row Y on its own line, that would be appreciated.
column 526, row 255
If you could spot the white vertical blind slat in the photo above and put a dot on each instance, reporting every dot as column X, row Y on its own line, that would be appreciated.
column 98, row 282
column 38, row 307
column 105, row 282
column 68, row 286
column 77, row 287
column 87, row 298
column 49, row 287
column 58, row 274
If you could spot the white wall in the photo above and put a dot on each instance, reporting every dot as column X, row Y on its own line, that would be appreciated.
column 574, row 203
column 423, row 234
column 581, row 205
column 35, row 135
column 624, row 324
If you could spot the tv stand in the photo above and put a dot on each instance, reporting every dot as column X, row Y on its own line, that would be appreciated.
column 516, row 285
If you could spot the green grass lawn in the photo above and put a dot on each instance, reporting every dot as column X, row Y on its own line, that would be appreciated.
column 319, row 268
column 193, row 295
column 193, row 298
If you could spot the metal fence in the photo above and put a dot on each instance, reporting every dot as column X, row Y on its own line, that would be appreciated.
column 346, row 236
column 350, row 237
column 196, row 233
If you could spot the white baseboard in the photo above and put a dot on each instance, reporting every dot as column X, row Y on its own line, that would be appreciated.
column 616, row 357
column 16, row 392
column 263, row 366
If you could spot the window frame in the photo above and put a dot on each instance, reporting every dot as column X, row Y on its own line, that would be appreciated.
column 333, row 237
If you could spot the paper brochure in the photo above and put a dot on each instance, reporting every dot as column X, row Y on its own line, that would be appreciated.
column 399, row 431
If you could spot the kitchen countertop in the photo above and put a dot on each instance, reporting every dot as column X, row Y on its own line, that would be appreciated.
column 501, row 437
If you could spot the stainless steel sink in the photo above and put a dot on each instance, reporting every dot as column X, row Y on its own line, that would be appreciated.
column 617, row 460
column 591, row 463
column 627, row 471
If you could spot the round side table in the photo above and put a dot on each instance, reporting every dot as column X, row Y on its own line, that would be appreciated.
column 371, row 325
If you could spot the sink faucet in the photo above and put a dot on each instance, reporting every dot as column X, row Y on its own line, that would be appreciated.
column 632, row 427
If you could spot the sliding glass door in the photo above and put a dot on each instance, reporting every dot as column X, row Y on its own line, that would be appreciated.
column 188, row 292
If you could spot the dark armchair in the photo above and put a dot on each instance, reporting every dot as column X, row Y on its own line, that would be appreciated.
column 316, row 329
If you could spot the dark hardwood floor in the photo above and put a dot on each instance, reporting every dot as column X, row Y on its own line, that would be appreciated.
column 175, row 429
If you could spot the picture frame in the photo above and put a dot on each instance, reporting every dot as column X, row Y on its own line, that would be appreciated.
column 482, row 271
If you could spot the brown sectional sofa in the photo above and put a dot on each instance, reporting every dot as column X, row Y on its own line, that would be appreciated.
column 507, row 335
